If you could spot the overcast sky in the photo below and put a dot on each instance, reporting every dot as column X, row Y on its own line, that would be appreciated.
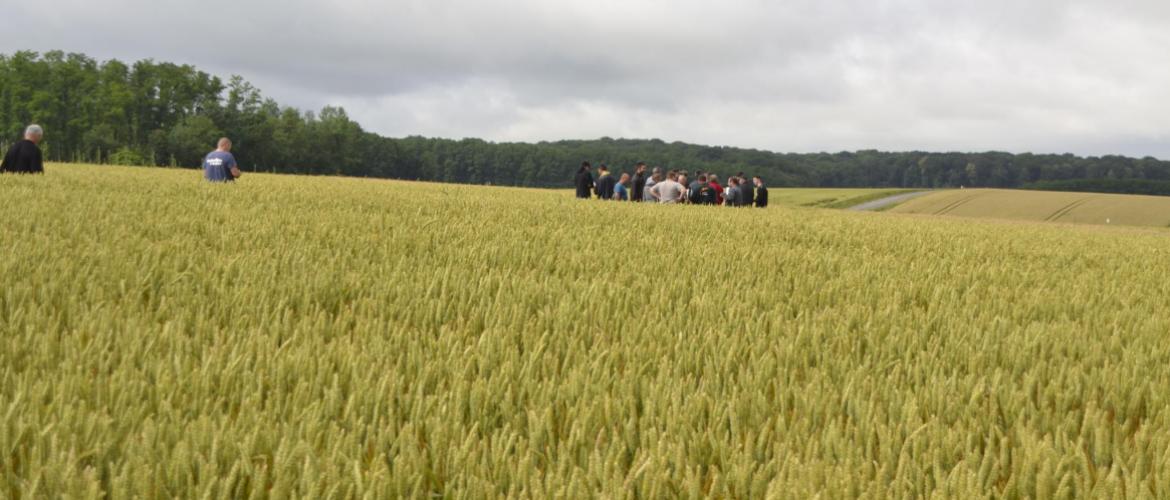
column 1089, row 77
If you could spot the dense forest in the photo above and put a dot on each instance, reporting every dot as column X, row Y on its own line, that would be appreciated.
column 157, row 113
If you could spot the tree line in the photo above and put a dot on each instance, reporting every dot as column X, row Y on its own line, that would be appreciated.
column 164, row 114
column 1119, row 186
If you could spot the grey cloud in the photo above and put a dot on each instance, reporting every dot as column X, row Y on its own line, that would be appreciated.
column 1051, row 75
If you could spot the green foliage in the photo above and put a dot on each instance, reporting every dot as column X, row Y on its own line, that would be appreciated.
column 188, row 141
column 128, row 157
column 288, row 336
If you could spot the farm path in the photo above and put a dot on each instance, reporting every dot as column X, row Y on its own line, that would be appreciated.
column 888, row 201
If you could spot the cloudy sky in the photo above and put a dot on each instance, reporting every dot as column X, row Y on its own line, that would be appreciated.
column 1089, row 77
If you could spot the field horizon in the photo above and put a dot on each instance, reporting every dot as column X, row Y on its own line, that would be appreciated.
column 335, row 337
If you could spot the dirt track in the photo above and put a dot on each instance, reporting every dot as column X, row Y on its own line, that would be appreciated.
column 888, row 201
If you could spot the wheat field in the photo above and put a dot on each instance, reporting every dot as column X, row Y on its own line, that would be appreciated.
column 1073, row 208
column 347, row 338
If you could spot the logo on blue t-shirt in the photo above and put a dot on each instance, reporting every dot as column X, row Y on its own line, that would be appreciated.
column 217, row 166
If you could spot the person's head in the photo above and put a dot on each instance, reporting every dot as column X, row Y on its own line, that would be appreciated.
column 657, row 177
column 703, row 178
column 224, row 144
column 658, row 171
column 732, row 181
column 34, row 133
column 672, row 176
column 759, row 180
column 603, row 168
column 584, row 167
column 625, row 178
column 682, row 178
column 640, row 167
column 713, row 178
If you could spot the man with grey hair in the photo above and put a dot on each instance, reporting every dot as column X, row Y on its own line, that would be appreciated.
column 25, row 156
column 656, row 176
column 220, row 165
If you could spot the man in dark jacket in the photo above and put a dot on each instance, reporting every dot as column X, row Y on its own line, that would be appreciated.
column 25, row 156
column 639, row 182
column 605, row 183
column 695, row 190
column 707, row 194
column 584, row 181
column 761, row 192
column 746, row 188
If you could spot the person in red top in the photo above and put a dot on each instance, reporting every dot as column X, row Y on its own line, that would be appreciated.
column 714, row 183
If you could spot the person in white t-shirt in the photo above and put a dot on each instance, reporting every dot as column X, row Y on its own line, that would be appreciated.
column 669, row 191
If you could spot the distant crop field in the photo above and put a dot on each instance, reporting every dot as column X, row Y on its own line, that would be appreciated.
column 829, row 197
column 1075, row 208
column 287, row 336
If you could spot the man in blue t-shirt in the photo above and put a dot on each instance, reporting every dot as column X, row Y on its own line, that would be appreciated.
column 620, row 192
column 220, row 165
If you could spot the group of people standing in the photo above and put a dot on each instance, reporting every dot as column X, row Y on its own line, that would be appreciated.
column 657, row 186
column 672, row 186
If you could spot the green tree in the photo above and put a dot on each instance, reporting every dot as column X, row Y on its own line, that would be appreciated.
column 190, row 140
